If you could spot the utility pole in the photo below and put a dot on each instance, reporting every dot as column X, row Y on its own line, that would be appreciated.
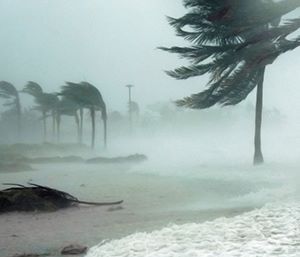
column 129, row 105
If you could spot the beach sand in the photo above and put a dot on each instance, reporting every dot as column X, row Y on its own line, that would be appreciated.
column 150, row 202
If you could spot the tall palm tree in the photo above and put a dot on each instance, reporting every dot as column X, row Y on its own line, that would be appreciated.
column 135, row 109
column 233, row 41
column 46, row 103
column 96, row 103
column 87, row 96
column 69, row 108
column 75, row 93
column 8, row 91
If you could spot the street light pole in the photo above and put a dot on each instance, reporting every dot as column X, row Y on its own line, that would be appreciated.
column 130, row 105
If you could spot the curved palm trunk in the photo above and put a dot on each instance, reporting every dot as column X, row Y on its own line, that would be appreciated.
column 53, row 124
column 19, row 117
column 81, row 125
column 78, row 126
column 258, row 156
column 58, row 119
column 93, row 127
column 104, row 118
column 45, row 126
column 105, row 132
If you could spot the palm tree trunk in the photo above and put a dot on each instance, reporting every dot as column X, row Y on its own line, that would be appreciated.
column 258, row 156
column 45, row 126
column 81, row 125
column 93, row 127
column 19, row 117
column 53, row 124
column 105, row 132
column 58, row 117
column 78, row 126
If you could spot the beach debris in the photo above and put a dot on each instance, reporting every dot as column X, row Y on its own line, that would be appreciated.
column 122, row 159
column 36, row 197
column 74, row 249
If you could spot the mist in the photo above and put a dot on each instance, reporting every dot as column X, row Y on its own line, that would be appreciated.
column 178, row 171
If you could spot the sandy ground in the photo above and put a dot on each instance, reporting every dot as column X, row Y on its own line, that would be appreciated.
column 150, row 202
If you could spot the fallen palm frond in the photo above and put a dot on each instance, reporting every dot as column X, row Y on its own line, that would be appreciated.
column 37, row 197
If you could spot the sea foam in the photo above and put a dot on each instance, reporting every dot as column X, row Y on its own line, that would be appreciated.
column 273, row 230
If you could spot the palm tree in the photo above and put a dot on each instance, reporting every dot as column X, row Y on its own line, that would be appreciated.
column 8, row 91
column 69, row 108
column 75, row 93
column 46, row 103
column 87, row 96
column 134, row 112
column 96, row 103
column 233, row 41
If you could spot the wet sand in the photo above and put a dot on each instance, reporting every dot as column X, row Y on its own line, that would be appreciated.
column 150, row 202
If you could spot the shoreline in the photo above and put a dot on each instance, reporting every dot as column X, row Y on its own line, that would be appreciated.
column 150, row 202
column 40, row 233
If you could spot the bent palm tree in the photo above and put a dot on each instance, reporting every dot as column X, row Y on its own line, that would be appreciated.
column 75, row 93
column 69, row 108
column 8, row 91
column 45, row 103
column 87, row 96
column 96, row 103
column 135, row 109
column 233, row 41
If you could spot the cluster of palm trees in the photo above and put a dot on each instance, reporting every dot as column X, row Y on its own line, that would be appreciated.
column 72, row 100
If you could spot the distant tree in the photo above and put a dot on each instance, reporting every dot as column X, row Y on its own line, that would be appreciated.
column 233, row 41
column 87, row 96
column 135, row 109
column 115, row 116
column 96, row 103
column 46, row 103
column 69, row 108
column 9, row 92
column 75, row 93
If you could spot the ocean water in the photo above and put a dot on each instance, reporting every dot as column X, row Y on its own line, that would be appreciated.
column 273, row 230
column 190, row 175
column 226, row 180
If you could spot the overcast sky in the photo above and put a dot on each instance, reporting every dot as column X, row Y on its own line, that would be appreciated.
column 111, row 44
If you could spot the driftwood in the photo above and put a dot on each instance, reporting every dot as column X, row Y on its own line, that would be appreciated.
column 37, row 197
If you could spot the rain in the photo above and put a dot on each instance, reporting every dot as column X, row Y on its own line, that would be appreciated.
column 149, row 128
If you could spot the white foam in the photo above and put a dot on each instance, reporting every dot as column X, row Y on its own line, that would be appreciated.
column 273, row 230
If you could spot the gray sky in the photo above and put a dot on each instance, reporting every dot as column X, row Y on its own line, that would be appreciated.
column 112, row 43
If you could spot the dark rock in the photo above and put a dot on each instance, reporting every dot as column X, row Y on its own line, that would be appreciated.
column 74, row 249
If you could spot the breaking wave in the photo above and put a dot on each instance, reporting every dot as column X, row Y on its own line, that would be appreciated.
column 273, row 230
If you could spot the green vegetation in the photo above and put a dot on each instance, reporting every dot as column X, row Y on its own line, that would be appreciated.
column 9, row 92
column 234, row 42
column 85, row 95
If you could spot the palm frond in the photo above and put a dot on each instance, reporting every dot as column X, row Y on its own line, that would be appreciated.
column 232, row 41
column 7, row 90
column 33, row 88
column 190, row 71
